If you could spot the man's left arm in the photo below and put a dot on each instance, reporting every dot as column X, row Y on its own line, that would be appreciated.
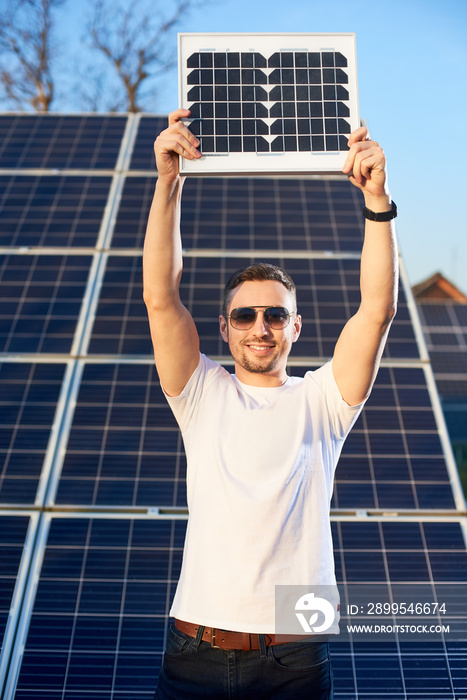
column 359, row 348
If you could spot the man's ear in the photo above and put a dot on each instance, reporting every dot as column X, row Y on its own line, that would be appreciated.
column 224, row 328
column 297, row 323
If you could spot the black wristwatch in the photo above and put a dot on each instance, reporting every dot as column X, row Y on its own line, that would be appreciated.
column 380, row 215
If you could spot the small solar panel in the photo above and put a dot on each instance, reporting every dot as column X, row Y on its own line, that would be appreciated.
column 268, row 103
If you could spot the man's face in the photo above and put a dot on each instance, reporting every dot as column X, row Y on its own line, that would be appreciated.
column 260, row 353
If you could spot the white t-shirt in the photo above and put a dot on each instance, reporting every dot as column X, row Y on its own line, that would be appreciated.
column 260, row 468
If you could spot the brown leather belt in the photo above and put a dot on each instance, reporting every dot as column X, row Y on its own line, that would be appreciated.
column 225, row 639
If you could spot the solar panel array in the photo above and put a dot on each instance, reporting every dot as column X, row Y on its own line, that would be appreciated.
column 92, row 475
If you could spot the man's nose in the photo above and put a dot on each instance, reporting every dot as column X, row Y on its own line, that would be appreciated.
column 261, row 327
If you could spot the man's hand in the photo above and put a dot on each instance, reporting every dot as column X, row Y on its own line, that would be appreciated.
column 176, row 140
column 365, row 164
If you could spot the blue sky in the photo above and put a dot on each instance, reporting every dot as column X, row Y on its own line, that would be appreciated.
column 412, row 71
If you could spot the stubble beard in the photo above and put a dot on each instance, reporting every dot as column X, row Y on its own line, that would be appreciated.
column 258, row 367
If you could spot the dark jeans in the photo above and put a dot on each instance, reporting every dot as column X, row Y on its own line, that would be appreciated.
column 192, row 670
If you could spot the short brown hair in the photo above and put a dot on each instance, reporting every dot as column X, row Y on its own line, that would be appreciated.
column 258, row 272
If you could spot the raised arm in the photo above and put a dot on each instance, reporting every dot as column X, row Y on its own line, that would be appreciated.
column 360, row 346
column 173, row 332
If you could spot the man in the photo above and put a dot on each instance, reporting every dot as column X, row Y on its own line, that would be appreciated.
column 261, row 446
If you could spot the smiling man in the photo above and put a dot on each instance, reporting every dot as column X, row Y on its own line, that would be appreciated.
column 262, row 447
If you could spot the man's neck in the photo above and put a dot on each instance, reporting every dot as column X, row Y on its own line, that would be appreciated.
column 266, row 379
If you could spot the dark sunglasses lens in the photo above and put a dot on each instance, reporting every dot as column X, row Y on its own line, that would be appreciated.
column 276, row 317
column 243, row 317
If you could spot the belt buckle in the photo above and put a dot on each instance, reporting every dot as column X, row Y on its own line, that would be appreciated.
column 213, row 638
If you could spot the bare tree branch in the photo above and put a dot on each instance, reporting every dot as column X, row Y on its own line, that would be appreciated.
column 26, row 51
column 134, row 36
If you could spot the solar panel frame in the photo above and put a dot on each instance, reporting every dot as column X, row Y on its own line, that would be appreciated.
column 16, row 571
column 238, row 144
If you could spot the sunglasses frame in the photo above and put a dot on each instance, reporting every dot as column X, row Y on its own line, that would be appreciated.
column 265, row 310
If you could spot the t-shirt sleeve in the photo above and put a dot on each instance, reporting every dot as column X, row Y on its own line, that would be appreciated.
column 341, row 415
column 184, row 405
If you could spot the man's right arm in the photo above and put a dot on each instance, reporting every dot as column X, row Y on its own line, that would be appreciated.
column 173, row 332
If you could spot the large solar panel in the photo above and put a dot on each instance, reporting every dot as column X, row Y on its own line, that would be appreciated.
column 99, row 614
column 51, row 210
column 124, row 446
column 269, row 102
column 327, row 288
column 28, row 405
column 445, row 327
column 88, row 141
column 40, row 301
column 142, row 156
column 251, row 214
column 86, row 431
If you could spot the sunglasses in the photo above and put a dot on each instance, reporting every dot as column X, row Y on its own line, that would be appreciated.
column 244, row 317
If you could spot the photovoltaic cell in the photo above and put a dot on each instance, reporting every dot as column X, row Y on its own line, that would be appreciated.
column 105, row 587
column 229, row 92
column 27, row 408
column 51, row 210
column 251, row 214
column 40, row 299
column 328, row 294
column 60, row 141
